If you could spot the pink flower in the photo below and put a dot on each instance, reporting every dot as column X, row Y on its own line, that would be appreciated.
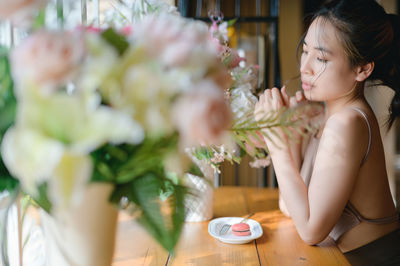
column 231, row 58
column 89, row 28
column 202, row 115
column 256, row 142
column 47, row 59
column 127, row 30
column 258, row 163
column 20, row 12
column 173, row 39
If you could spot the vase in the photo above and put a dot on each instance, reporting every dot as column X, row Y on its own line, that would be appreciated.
column 21, row 237
column 83, row 234
column 199, row 203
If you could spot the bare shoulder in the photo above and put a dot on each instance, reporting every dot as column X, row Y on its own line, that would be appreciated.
column 347, row 121
column 346, row 133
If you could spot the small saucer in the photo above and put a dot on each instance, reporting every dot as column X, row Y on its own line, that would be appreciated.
column 214, row 227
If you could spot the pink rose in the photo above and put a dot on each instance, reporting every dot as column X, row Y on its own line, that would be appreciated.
column 202, row 115
column 20, row 12
column 47, row 59
column 173, row 39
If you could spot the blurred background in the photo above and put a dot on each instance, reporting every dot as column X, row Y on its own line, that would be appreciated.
column 266, row 33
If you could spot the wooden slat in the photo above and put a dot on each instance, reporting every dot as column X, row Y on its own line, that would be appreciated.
column 135, row 246
column 281, row 245
column 239, row 201
column 197, row 247
column 229, row 201
column 261, row 199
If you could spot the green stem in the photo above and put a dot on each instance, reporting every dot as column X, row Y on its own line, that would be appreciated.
column 260, row 128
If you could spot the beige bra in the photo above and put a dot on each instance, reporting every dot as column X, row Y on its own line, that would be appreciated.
column 350, row 216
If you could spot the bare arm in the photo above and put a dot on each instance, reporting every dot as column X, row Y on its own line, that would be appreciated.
column 295, row 145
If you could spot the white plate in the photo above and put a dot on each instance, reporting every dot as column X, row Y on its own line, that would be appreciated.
column 214, row 227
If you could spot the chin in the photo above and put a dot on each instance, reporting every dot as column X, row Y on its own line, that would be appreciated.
column 308, row 95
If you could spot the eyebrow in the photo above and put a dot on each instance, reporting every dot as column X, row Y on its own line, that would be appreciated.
column 319, row 48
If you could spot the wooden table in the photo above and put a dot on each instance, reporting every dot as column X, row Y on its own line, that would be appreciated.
column 279, row 245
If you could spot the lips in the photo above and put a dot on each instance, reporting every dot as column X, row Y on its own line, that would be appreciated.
column 306, row 86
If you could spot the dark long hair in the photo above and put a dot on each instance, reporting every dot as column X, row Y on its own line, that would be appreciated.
column 368, row 34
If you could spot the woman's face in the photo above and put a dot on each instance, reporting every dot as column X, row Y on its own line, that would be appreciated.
column 325, row 70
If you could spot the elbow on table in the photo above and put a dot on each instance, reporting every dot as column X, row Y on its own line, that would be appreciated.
column 312, row 238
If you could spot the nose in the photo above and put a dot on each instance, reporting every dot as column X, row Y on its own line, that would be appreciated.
column 305, row 65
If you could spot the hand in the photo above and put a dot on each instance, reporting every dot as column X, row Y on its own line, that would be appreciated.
column 272, row 100
column 292, row 101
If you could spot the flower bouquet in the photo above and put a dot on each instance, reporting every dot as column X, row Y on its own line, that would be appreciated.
column 110, row 106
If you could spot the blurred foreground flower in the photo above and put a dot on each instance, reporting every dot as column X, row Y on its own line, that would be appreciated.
column 101, row 105
column 20, row 12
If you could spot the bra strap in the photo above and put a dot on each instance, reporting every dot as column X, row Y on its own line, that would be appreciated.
column 361, row 218
column 369, row 133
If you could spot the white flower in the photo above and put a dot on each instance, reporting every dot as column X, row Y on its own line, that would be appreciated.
column 147, row 93
column 258, row 163
column 142, row 8
column 30, row 156
column 100, row 60
column 220, row 32
column 53, row 137
column 242, row 100
column 72, row 120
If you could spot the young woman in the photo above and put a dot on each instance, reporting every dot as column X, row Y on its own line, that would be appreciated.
column 339, row 188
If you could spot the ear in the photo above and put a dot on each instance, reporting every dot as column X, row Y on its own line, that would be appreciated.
column 363, row 72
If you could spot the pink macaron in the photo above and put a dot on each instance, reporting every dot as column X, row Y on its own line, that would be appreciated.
column 241, row 229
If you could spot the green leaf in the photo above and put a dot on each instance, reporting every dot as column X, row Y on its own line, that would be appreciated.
column 116, row 40
column 7, row 182
column 195, row 170
column 8, row 106
column 144, row 193
column 60, row 13
column 231, row 22
column 43, row 201
column 40, row 19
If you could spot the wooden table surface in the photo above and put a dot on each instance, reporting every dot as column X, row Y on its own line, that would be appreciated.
column 279, row 244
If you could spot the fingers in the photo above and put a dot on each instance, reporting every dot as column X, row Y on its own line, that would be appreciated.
column 277, row 101
column 285, row 96
column 300, row 96
column 293, row 101
column 259, row 108
column 271, row 99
